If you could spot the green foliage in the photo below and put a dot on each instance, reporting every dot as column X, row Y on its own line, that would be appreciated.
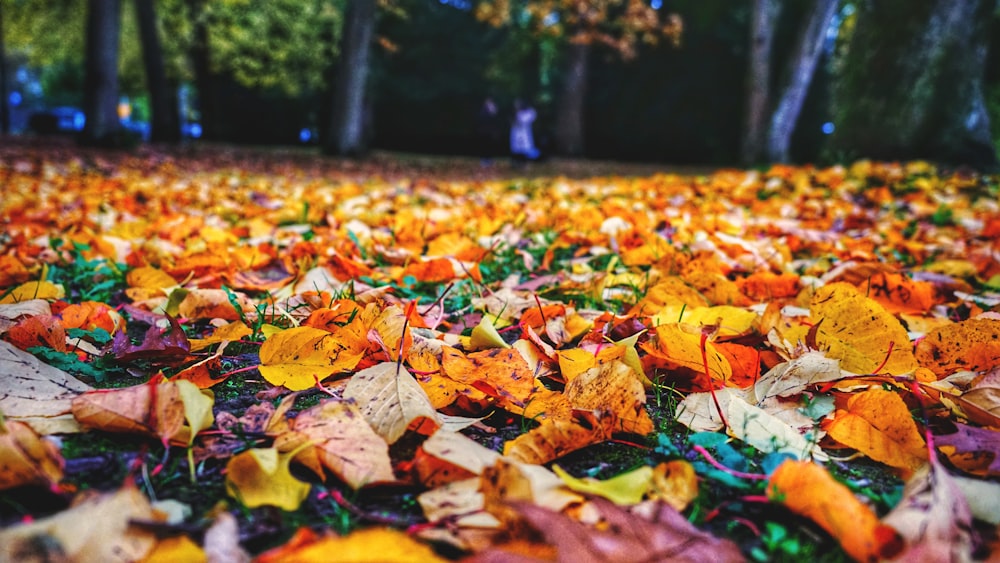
column 87, row 280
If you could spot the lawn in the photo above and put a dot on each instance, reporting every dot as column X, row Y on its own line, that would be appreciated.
column 269, row 353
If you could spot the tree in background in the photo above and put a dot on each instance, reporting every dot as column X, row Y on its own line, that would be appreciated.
column 165, row 122
column 100, row 94
column 347, row 116
column 621, row 25
column 769, row 124
column 911, row 82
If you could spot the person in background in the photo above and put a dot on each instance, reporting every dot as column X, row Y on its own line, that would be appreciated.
column 522, row 138
column 489, row 131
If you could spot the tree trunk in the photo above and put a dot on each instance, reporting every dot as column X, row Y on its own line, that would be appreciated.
column 347, row 119
column 100, row 95
column 163, row 99
column 569, row 113
column 912, row 83
column 802, row 66
column 204, row 80
column 765, row 18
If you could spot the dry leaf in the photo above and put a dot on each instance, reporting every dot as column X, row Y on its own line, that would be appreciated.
column 933, row 518
column 36, row 393
column 859, row 332
column 392, row 401
column 26, row 458
column 96, row 529
column 337, row 437
column 972, row 345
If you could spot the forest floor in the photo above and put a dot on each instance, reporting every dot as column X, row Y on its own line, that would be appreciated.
column 622, row 325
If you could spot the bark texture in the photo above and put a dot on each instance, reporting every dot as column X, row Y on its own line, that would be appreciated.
column 802, row 67
column 100, row 96
column 569, row 135
column 347, row 118
column 912, row 83
column 763, row 24
column 163, row 99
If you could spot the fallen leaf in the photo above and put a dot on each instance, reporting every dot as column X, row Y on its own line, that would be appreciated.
column 623, row 489
column 623, row 536
column 36, row 393
column 616, row 388
column 260, row 477
column 972, row 345
column 933, row 518
column 369, row 545
column 334, row 435
column 299, row 357
column 34, row 290
column 809, row 490
column 96, row 529
column 392, row 401
column 971, row 449
column 859, row 332
column 26, row 458
column 879, row 424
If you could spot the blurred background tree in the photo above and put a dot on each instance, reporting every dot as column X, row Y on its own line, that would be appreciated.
column 607, row 77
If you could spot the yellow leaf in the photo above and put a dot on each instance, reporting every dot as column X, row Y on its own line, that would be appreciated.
column 681, row 348
column 299, row 357
column 859, row 332
column 676, row 483
column 625, row 489
column 613, row 387
column 732, row 321
column 878, row 424
column 198, row 405
column 176, row 548
column 485, row 335
column 260, row 477
column 369, row 545
column 34, row 290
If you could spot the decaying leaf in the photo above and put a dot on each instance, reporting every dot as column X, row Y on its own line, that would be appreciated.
column 624, row 536
column 972, row 345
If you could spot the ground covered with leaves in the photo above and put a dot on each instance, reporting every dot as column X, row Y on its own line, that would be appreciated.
column 224, row 355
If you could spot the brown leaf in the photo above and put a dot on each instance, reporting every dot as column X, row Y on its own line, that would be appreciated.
column 626, row 537
column 26, row 458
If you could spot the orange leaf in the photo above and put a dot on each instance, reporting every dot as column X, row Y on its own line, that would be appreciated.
column 26, row 458
column 879, row 424
column 807, row 489
column 972, row 345
column 557, row 438
column 616, row 388
column 899, row 293
column 40, row 330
